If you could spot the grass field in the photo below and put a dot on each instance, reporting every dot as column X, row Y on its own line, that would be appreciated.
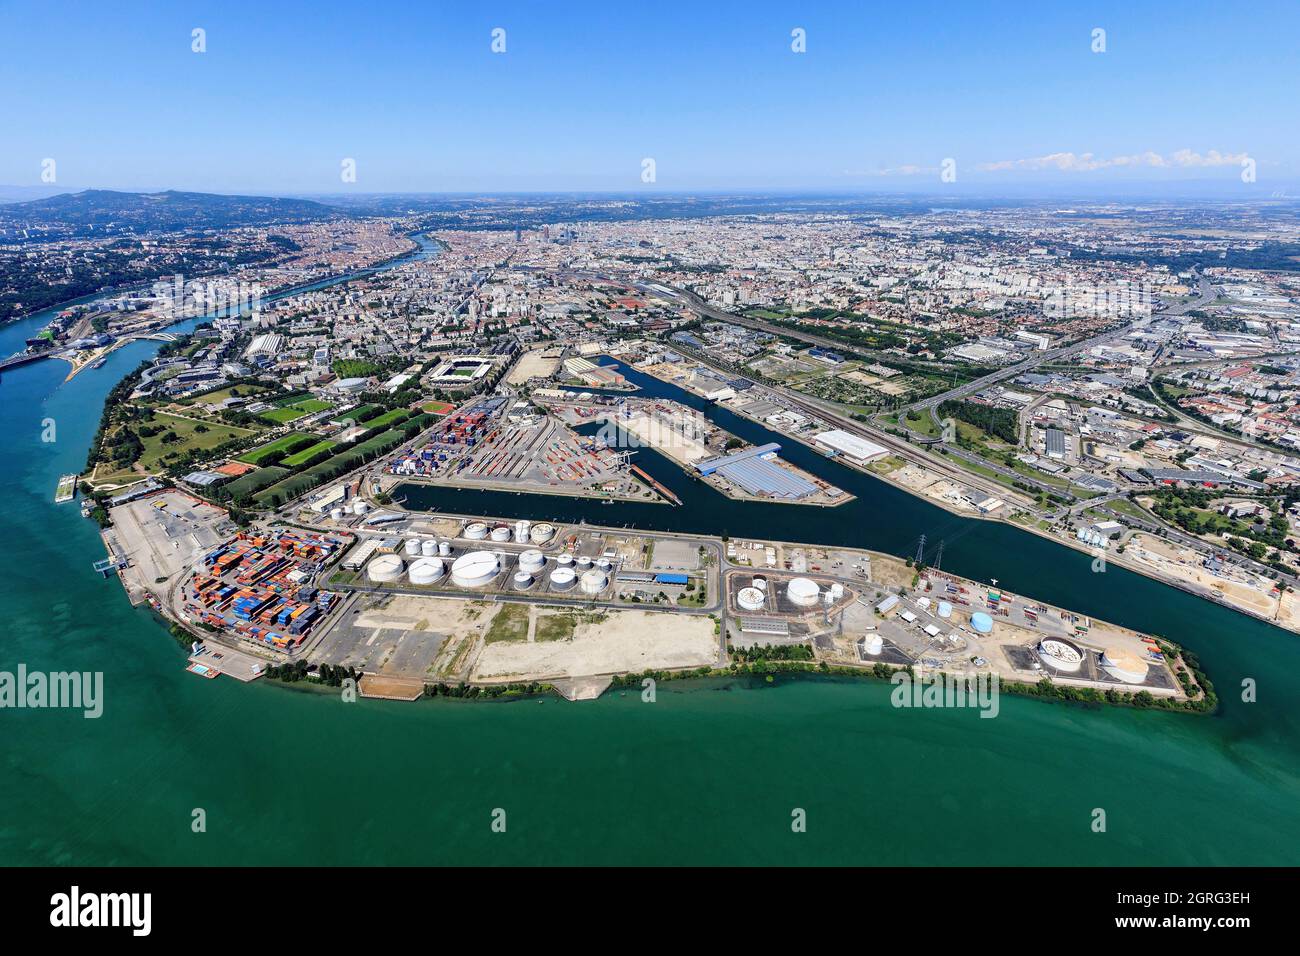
column 158, row 453
column 255, row 481
column 295, row 410
column 221, row 394
column 510, row 624
column 387, row 418
column 302, row 456
column 258, row 455
column 357, row 413
column 437, row 408
column 297, row 484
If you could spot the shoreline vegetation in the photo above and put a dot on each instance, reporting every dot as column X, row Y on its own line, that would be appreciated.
column 796, row 660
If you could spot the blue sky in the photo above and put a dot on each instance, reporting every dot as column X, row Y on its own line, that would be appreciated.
column 1012, row 92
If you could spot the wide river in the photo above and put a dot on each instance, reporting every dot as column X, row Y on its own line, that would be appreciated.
column 709, row 773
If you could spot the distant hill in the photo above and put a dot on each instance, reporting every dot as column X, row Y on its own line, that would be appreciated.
column 108, row 212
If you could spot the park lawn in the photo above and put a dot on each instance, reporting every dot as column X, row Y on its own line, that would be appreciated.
column 156, row 452
column 301, row 457
column 259, row 454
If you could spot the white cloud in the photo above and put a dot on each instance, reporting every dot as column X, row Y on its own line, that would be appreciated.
column 908, row 169
column 1089, row 162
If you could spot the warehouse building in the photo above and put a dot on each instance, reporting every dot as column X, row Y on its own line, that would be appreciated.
column 758, row 471
column 849, row 445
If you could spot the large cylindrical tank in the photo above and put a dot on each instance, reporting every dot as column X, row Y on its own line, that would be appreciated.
column 945, row 609
column 584, row 562
column 444, row 548
column 475, row 569
column 1124, row 665
column 602, row 563
column 750, row 599
column 565, row 560
column 873, row 644
column 429, row 548
column 501, row 533
column 476, row 531
column 542, row 533
column 760, row 583
column 531, row 561
column 562, row 579
column 836, row 592
column 802, row 592
column 523, row 580
column 360, row 507
column 521, row 531
column 593, row 581
column 426, row 571
column 385, row 569
column 336, row 514
column 412, row 547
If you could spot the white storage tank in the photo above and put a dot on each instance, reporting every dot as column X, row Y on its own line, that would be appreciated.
column 803, row 592
column 476, row 531
column 563, row 578
column 426, row 571
column 521, row 531
column 336, row 514
column 760, row 583
column 873, row 644
column 359, row 507
column 501, row 533
column 475, row 569
column 945, row 609
column 523, row 580
column 413, row 547
column 385, row 569
column 429, row 548
column 564, row 560
column 750, row 599
column 603, row 564
column 837, row 592
column 542, row 533
column 531, row 561
column 1123, row 665
column 594, row 581
column 584, row 562
column 444, row 548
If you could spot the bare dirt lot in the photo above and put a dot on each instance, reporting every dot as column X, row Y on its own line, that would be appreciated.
column 1252, row 592
column 612, row 642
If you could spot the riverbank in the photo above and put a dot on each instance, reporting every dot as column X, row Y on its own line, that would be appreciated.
column 1110, row 556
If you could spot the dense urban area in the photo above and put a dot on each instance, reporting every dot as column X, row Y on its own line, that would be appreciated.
column 283, row 481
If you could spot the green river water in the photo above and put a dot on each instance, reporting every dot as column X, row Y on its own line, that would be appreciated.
column 709, row 773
